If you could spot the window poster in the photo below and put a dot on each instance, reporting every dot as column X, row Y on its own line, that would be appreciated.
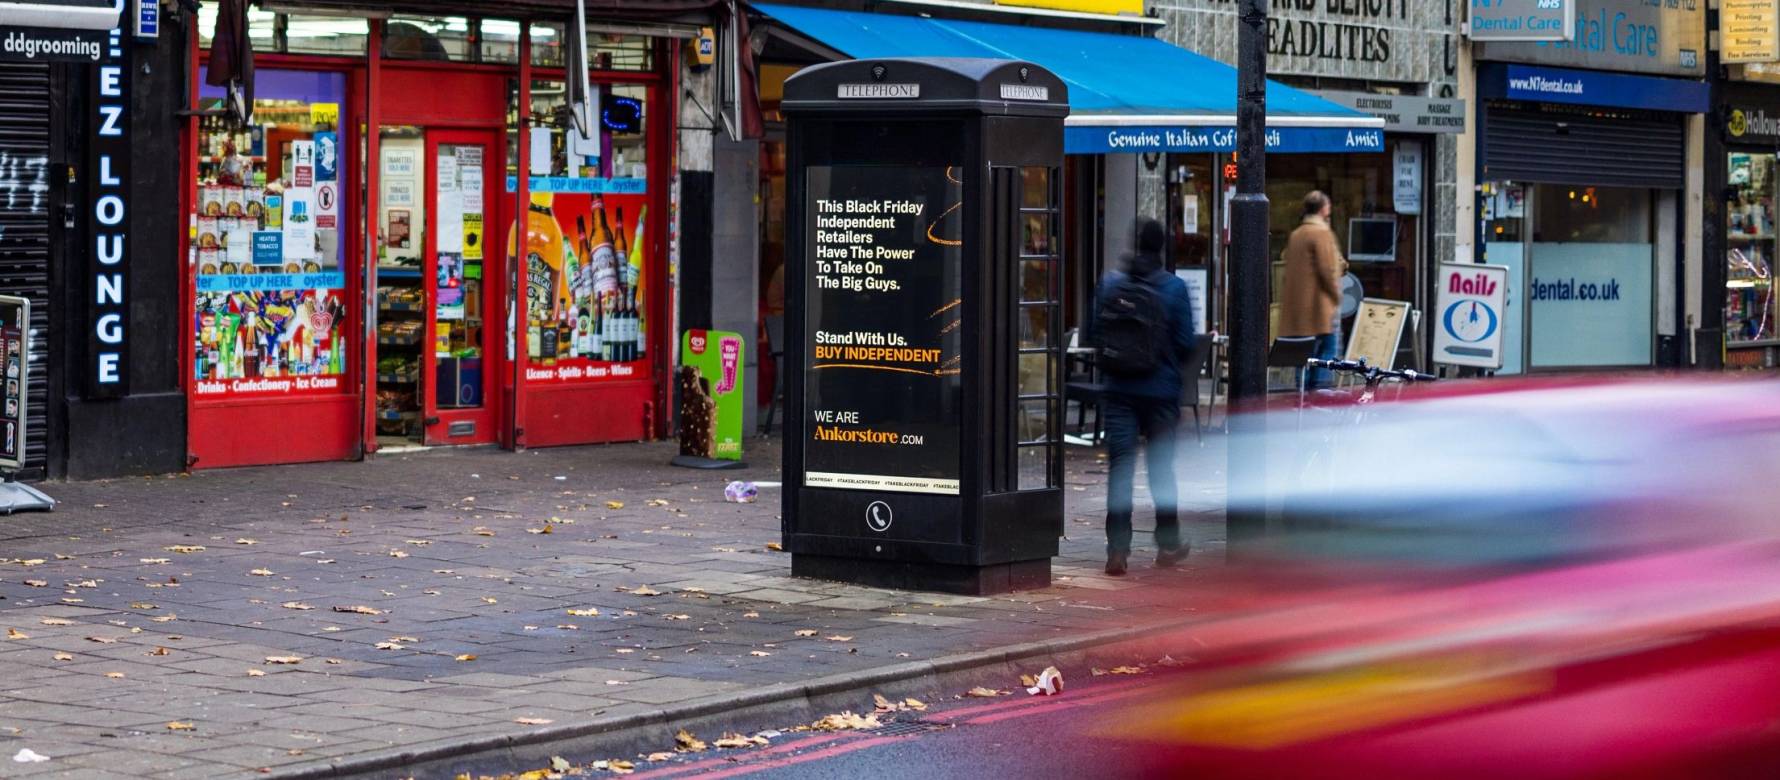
column 883, row 345
column 586, row 287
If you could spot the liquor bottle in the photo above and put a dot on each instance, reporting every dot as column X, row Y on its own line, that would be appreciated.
column 532, row 336
column 199, row 357
column 581, row 284
column 605, row 260
column 596, row 343
column 547, row 342
column 627, row 341
column 583, row 332
column 565, row 330
column 621, row 247
column 637, row 283
column 543, row 256
column 610, row 327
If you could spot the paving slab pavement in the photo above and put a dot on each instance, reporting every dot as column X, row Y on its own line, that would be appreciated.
column 295, row 618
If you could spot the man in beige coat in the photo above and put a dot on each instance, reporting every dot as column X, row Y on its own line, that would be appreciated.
column 1312, row 296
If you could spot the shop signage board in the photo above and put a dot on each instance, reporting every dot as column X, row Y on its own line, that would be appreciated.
column 1749, row 118
column 1521, row 20
column 1471, row 311
column 107, row 372
column 1749, row 30
column 711, row 397
column 882, row 352
column 1378, row 331
column 148, row 18
column 1594, row 88
column 1196, row 279
column 1092, row 139
column 1404, row 113
column 1126, row 7
column 1638, row 36
column 1394, row 40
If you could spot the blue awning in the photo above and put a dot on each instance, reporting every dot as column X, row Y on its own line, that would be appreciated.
column 1126, row 93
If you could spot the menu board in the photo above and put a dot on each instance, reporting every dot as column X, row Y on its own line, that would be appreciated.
column 883, row 334
column 15, row 322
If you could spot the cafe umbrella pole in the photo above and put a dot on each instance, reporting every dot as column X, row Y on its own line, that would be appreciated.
column 1245, row 518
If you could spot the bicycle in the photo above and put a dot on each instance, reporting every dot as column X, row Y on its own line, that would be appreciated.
column 1349, row 408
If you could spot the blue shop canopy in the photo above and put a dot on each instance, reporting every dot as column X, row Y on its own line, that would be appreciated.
column 1126, row 93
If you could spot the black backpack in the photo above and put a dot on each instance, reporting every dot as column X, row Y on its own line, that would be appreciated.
column 1131, row 328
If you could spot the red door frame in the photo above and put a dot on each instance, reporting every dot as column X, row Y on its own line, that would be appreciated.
column 215, row 437
column 485, row 417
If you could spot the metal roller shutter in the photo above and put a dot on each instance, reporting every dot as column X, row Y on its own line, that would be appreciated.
column 24, row 228
column 1566, row 146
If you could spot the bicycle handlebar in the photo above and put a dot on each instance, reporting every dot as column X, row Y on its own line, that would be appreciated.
column 1370, row 372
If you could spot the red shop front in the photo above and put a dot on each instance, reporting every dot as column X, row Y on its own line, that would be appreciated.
column 353, row 282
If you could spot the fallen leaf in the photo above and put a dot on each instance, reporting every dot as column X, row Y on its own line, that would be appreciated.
column 335, row 661
column 13, row 633
column 623, row 650
column 1127, row 670
column 178, row 726
column 588, row 612
column 684, row 742
column 184, row 548
column 489, row 600
column 645, row 591
column 142, row 605
column 397, row 554
column 155, row 560
column 983, row 693
column 388, row 646
column 759, row 653
column 844, row 721
column 482, row 531
column 750, row 614
column 658, row 756
column 247, row 541
column 546, row 529
column 617, row 766
column 63, row 657
column 163, row 619
column 295, row 605
column 533, row 721
column 677, row 617
column 775, row 547
column 159, row 651
column 914, row 704
column 883, row 704
column 115, row 675
column 804, row 632
column 730, row 741
column 838, row 638
column 466, row 657
column 261, row 572
column 37, row 583
column 1028, row 680
column 656, row 502
column 284, row 659
column 418, row 542
column 692, row 589
column 1097, row 671
column 102, row 640
column 359, row 610
column 614, row 504
column 255, row 673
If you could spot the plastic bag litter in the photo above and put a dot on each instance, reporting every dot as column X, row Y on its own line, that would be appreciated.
column 739, row 492
column 1049, row 683
column 29, row 756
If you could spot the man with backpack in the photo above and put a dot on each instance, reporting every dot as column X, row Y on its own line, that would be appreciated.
column 1143, row 329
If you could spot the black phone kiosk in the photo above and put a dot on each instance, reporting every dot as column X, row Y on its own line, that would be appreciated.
column 923, row 437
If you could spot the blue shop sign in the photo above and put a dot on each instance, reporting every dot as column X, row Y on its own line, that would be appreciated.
column 1596, row 88
column 1183, row 138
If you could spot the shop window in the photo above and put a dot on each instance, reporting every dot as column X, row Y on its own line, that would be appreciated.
column 269, row 314
column 619, row 51
column 500, row 43
column 1749, row 305
column 1589, row 277
column 335, row 35
column 1038, row 405
column 261, row 27
column 429, row 38
column 585, row 243
column 1190, row 187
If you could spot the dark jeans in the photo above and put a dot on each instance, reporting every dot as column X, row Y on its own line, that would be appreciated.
column 1327, row 347
column 1127, row 417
